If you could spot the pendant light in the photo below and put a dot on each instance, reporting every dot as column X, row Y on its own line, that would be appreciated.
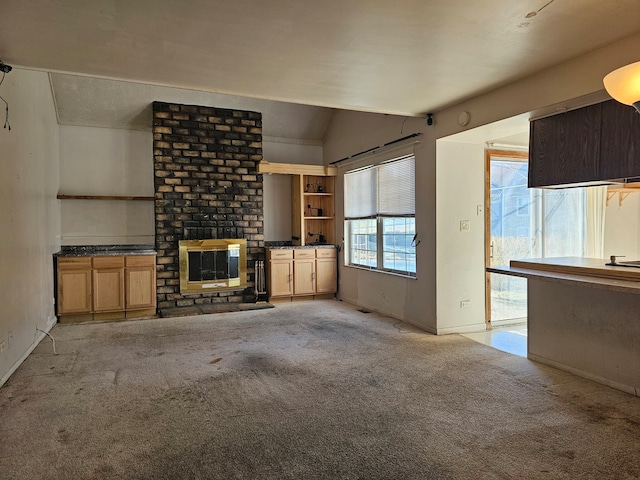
column 623, row 85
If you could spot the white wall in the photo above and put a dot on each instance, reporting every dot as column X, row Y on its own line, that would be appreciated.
column 351, row 132
column 277, row 207
column 277, row 188
column 281, row 152
column 460, row 175
column 411, row 300
column 29, row 215
column 622, row 228
column 104, row 161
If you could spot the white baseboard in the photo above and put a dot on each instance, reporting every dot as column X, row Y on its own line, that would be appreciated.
column 31, row 348
column 472, row 328
column 633, row 390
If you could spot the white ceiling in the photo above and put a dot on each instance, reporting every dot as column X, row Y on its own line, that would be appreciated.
column 404, row 57
column 98, row 102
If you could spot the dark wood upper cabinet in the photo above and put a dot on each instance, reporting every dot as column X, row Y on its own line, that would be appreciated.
column 595, row 143
column 620, row 146
column 565, row 148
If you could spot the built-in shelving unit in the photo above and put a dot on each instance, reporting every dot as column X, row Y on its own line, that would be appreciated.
column 312, row 202
column 313, row 209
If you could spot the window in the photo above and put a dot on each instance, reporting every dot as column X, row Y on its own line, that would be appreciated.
column 380, row 216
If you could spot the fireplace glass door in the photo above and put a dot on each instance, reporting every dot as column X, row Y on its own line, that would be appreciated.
column 208, row 265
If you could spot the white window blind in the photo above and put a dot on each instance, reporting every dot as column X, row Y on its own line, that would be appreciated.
column 396, row 187
column 386, row 189
column 360, row 193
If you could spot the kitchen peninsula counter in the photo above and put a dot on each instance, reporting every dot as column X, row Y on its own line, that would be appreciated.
column 583, row 317
column 590, row 272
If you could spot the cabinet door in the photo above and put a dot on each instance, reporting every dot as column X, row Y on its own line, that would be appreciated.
column 140, row 282
column 74, row 290
column 565, row 148
column 280, row 278
column 108, row 284
column 140, row 286
column 304, row 276
column 620, row 147
column 326, row 275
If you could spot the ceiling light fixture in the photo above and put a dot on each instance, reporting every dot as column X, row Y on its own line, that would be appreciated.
column 623, row 85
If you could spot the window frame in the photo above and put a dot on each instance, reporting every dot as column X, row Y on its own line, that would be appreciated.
column 410, row 257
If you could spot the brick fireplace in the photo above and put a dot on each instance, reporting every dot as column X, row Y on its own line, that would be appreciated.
column 206, row 187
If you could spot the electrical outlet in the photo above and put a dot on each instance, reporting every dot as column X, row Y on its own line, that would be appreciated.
column 465, row 225
column 465, row 304
column 3, row 346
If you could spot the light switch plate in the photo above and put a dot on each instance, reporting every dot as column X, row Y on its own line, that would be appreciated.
column 465, row 225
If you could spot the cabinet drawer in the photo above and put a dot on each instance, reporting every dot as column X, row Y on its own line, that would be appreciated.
column 305, row 253
column 108, row 262
column 140, row 261
column 326, row 253
column 281, row 254
column 74, row 263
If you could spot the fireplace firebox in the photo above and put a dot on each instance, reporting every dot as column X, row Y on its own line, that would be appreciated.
column 212, row 265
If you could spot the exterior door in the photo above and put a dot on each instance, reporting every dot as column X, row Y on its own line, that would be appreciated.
column 508, row 233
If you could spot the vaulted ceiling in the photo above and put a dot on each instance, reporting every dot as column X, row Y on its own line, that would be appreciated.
column 404, row 57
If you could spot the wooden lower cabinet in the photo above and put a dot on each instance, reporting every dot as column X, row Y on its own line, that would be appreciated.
column 281, row 278
column 304, row 273
column 108, row 284
column 326, row 275
column 74, row 285
column 106, row 287
column 280, row 272
column 140, row 282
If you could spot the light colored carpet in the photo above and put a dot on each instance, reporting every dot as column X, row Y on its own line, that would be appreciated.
column 314, row 390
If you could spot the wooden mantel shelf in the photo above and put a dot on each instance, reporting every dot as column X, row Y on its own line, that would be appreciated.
column 102, row 197
column 297, row 169
column 623, row 191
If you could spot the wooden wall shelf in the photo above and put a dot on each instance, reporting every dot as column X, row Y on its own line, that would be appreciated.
column 297, row 169
column 623, row 191
column 102, row 197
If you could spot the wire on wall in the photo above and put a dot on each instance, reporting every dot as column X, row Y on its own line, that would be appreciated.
column 6, row 104
column 4, row 68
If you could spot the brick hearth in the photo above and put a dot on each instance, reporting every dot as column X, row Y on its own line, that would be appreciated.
column 206, row 186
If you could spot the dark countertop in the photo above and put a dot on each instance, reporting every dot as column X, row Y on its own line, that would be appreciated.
column 104, row 250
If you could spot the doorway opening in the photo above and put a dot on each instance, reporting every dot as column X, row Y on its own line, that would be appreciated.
column 524, row 223
column 507, row 233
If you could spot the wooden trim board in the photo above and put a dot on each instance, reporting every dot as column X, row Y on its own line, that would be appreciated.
column 297, row 169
